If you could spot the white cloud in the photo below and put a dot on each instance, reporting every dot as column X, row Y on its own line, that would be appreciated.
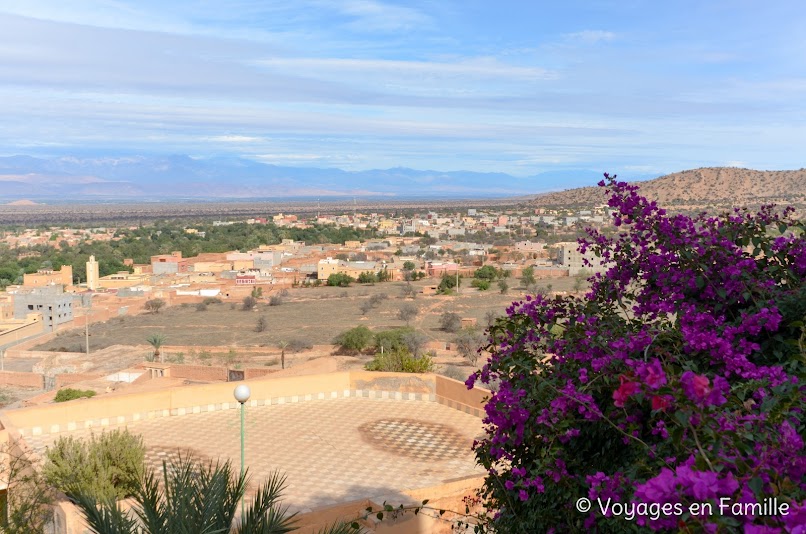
column 238, row 139
column 591, row 36
column 372, row 16
column 483, row 67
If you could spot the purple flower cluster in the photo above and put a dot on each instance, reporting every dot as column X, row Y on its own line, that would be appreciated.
column 677, row 378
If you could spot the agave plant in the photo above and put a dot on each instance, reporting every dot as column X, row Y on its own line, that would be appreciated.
column 193, row 497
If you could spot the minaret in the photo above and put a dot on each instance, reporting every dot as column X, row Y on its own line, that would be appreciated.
column 92, row 274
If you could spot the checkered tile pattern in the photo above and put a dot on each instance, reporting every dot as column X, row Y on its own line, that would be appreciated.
column 331, row 451
column 417, row 439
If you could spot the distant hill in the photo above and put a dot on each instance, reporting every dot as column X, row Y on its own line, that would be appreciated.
column 181, row 177
column 712, row 186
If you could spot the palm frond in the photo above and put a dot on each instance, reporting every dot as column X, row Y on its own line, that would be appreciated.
column 151, row 504
column 105, row 517
column 265, row 515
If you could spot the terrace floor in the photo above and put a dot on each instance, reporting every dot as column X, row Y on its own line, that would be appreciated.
column 332, row 451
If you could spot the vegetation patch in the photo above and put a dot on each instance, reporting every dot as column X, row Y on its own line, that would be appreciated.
column 68, row 394
column 106, row 467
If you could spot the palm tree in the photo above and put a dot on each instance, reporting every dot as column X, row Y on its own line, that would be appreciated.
column 195, row 497
column 156, row 341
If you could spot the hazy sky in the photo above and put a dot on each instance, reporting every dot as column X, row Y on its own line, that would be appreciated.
column 628, row 86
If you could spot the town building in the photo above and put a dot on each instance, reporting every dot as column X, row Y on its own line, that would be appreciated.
column 169, row 263
column 438, row 268
column 569, row 257
column 354, row 269
column 52, row 302
column 123, row 279
column 93, row 274
column 49, row 277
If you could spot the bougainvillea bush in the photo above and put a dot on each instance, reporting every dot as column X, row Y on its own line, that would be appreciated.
column 677, row 380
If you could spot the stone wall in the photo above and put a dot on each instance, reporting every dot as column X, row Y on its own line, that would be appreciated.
column 30, row 380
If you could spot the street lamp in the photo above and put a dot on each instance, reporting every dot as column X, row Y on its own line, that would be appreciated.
column 242, row 394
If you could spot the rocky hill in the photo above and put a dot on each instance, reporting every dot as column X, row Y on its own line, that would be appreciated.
column 702, row 188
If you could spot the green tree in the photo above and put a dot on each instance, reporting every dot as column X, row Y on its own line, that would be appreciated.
column 340, row 280
column 481, row 284
column 156, row 340
column 450, row 322
column 400, row 360
column 488, row 272
column 503, row 286
column 447, row 284
column 409, row 265
column 407, row 312
column 354, row 340
column 384, row 275
column 106, row 467
column 367, row 278
column 528, row 276
column 391, row 339
column 408, row 291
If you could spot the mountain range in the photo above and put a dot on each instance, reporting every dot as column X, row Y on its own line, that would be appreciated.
column 180, row 177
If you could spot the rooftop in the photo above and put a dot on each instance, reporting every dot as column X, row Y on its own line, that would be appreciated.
column 339, row 438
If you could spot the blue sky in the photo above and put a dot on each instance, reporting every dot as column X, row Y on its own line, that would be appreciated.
column 626, row 86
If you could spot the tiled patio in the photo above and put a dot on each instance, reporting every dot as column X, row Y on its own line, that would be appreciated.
column 332, row 451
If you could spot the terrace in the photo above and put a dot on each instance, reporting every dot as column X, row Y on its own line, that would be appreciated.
column 344, row 440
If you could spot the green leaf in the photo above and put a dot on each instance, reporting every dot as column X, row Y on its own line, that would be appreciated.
column 682, row 417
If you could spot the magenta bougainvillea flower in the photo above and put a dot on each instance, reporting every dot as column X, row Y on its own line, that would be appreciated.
column 627, row 389
column 677, row 379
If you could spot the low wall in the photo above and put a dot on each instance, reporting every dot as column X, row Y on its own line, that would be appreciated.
column 29, row 380
column 105, row 411
column 197, row 372
column 455, row 394
column 397, row 382
column 14, row 332
column 21, row 348
column 64, row 379
column 253, row 373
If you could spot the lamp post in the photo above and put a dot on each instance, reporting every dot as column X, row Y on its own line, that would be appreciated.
column 242, row 394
